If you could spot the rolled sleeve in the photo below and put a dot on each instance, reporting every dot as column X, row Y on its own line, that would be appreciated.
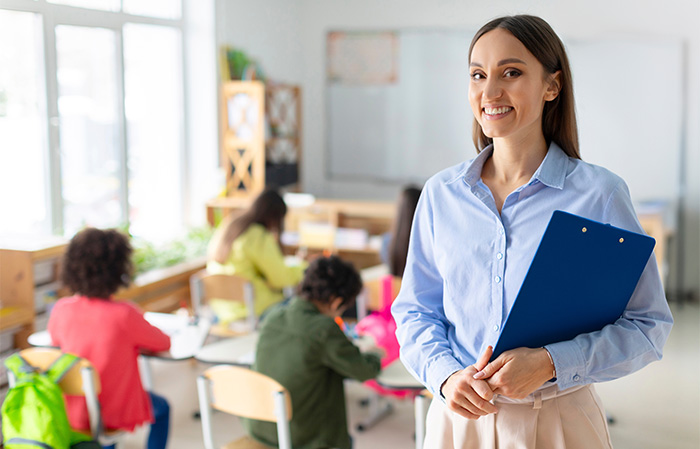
column 569, row 363
column 437, row 372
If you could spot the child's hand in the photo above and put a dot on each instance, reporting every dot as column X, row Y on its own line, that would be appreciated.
column 366, row 344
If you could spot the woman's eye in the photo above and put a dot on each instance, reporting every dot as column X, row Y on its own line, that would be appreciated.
column 512, row 73
column 477, row 76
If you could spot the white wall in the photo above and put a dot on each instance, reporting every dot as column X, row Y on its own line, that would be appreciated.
column 288, row 37
column 268, row 31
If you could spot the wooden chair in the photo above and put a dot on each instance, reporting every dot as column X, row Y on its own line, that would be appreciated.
column 244, row 393
column 204, row 286
column 80, row 380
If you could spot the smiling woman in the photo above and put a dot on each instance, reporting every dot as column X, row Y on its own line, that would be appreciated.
column 476, row 229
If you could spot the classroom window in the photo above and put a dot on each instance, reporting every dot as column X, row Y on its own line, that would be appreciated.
column 88, row 127
column 106, row 5
column 152, row 79
column 166, row 9
column 23, row 150
column 92, row 117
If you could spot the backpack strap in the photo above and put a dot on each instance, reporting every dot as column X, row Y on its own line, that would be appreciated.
column 18, row 366
column 61, row 366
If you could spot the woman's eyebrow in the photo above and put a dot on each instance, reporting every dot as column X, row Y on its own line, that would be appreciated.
column 501, row 62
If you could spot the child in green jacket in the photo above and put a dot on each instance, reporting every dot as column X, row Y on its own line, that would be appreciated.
column 303, row 348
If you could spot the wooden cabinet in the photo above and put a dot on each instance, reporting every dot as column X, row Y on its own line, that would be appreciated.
column 261, row 136
column 283, row 145
column 26, row 267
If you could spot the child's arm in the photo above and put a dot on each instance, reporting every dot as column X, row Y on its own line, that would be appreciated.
column 144, row 334
column 346, row 359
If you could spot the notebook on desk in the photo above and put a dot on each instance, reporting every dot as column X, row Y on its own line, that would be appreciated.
column 580, row 279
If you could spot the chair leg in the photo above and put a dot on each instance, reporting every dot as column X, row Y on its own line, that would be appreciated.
column 205, row 411
column 419, row 409
column 379, row 408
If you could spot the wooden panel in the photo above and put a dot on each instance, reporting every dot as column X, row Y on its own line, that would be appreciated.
column 162, row 280
column 243, row 140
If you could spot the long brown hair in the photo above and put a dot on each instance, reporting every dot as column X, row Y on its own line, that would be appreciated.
column 268, row 210
column 398, row 247
column 559, row 115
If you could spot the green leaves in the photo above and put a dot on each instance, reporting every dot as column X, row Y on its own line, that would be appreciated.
column 148, row 256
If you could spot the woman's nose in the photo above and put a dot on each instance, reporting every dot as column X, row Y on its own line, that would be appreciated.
column 492, row 88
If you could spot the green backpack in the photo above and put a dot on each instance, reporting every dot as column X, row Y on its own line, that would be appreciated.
column 34, row 412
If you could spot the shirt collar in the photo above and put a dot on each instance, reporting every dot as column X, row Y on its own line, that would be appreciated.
column 551, row 172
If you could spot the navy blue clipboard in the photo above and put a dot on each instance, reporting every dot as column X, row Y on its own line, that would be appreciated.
column 581, row 279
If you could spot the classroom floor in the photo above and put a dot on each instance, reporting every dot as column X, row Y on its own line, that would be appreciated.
column 656, row 408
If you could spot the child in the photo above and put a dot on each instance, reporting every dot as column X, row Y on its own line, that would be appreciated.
column 248, row 245
column 109, row 334
column 303, row 348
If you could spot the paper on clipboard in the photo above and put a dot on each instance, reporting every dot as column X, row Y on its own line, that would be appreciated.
column 580, row 279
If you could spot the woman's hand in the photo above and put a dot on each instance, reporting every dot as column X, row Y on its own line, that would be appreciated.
column 518, row 372
column 468, row 396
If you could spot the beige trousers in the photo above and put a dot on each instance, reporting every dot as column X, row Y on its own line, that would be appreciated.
column 547, row 419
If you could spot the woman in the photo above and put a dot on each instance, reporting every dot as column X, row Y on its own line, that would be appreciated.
column 109, row 334
column 476, row 230
column 395, row 244
column 248, row 245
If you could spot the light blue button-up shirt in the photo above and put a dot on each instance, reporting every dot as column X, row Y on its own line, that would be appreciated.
column 466, row 263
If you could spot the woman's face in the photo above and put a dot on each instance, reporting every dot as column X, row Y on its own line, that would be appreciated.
column 508, row 87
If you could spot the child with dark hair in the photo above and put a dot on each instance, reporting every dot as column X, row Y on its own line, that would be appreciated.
column 303, row 348
column 109, row 334
column 248, row 245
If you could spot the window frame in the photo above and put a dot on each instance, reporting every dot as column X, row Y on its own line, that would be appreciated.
column 53, row 15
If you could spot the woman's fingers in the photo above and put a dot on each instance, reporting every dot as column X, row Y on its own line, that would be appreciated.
column 472, row 396
column 490, row 369
column 484, row 359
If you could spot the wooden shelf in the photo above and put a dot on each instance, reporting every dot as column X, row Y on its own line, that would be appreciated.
column 163, row 290
column 14, row 317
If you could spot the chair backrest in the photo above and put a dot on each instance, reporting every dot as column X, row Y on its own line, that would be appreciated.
column 72, row 382
column 204, row 286
column 80, row 380
column 245, row 393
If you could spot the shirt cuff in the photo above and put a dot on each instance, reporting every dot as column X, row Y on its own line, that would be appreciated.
column 569, row 363
column 438, row 370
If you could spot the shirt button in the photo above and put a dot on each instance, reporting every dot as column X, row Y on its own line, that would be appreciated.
column 577, row 378
column 497, row 279
column 499, row 256
column 495, row 327
column 501, row 231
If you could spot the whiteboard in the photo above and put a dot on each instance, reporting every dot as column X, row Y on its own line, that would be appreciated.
column 629, row 96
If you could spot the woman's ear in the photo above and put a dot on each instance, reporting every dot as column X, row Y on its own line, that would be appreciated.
column 554, row 87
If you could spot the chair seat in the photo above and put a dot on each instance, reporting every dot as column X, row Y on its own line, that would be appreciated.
column 245, row 443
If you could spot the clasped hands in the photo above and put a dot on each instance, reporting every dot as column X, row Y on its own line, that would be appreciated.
column 514, row 374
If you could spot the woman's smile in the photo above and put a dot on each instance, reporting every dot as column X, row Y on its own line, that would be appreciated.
column 496, row 113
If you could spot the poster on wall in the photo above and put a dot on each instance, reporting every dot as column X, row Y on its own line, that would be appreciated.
column 363, row 58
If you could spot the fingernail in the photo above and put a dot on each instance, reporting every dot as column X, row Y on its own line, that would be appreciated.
column 479, row 375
